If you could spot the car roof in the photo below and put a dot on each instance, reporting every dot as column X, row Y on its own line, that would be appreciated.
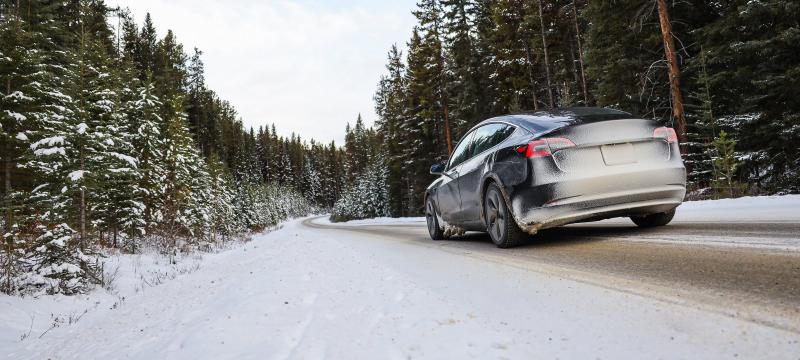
column 543, row 121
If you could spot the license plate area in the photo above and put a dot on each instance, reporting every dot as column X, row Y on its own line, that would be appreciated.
column 618, row 154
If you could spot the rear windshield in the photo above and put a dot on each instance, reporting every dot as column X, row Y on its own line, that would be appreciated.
column 545, row 121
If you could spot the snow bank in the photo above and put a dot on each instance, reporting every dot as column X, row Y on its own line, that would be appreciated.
column 761, row 208
column 29, row 319
column 375, row 221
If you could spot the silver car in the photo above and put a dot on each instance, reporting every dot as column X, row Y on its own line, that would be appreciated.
column 514, row 175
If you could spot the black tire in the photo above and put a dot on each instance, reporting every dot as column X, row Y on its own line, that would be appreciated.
column 434, row 228
column 654, row 220
column 500, row 222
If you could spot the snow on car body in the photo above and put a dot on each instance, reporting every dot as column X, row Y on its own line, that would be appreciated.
column 518, row 174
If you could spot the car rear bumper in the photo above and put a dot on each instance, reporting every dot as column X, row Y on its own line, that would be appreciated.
column 625, row 193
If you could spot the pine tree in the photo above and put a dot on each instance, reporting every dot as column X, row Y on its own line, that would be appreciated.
column 285, row 175
column 429, row 15
column 170, row 72
column 701, row 131
column 179, row 167
column 311, row 177
column 146, row 49
column 624, row 52
column 754, row 71
column 462, row 64
column 390, row 103
column 57, row 266
column 358, row 149
column 148, row 146
column 423, row 141
column 53, row 257
column 725, row 166
column 513, row 65
column 22, row 83
column 368, row 197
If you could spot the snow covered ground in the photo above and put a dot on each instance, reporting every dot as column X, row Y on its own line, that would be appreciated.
column 377, row 221
column 302, row 292
column 761, row 208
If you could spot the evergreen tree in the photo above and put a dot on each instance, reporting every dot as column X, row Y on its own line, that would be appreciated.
column 701, row 130
column 24, row 85
column 145, row 50
column 368, row 197
column 311, row 178
column 725, row 166
column 461, row 63
column 148, row 146
column 285, row 175
column 180, row 167
column 93, row 157
column 754, row 56
column 57, row 265
column 623, row 57
column 390, row 102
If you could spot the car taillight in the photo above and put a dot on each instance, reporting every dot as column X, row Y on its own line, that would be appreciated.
column 544, row 147
column 666, row 133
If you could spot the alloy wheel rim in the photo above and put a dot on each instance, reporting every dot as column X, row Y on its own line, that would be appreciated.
column 496, row 216
column 429, row 215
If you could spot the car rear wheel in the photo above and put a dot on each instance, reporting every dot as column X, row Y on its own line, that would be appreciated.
column 654, row 220
column 434, row 229
column 500, row 223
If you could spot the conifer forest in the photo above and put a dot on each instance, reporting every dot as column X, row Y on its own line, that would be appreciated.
column 110, row 137
column 733, row 94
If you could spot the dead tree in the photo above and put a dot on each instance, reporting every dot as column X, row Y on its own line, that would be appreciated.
column 674, row 71
column 546, row 56
column 580, row 52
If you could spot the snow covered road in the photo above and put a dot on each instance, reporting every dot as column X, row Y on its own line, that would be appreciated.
column 700, row 288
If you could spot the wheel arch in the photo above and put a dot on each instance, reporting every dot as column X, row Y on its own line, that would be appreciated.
column 493, row 178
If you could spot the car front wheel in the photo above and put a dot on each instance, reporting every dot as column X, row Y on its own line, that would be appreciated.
column 434, row 228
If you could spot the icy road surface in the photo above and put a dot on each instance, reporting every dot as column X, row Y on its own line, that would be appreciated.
column 722, row 281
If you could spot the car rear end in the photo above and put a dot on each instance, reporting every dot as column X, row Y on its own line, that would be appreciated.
column 597, row 170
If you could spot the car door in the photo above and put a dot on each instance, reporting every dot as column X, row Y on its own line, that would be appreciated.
column 472, row 171
column 448, row 196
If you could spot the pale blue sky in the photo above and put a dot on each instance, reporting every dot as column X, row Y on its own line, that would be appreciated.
column 309, row 66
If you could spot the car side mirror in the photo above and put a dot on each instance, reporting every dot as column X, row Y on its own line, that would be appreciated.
column 437, row 169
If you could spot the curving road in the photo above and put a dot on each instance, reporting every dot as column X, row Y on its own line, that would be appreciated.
column 748, row 270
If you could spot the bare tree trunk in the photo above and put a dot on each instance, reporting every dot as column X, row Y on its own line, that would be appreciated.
column 576, row 77
column 546, row 56
column 447, row 126
column 531, row 78
column 7, row 175
column 81, row 145
column 674, row 72
column 580, row 52
column 8, row 243
column 7, row 187
column 83, row 205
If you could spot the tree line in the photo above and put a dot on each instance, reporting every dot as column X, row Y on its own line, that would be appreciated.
column 730, row 67
column 110, row 137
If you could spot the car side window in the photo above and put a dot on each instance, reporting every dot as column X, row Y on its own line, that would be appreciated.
column 462, row 151
column 490, row 135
